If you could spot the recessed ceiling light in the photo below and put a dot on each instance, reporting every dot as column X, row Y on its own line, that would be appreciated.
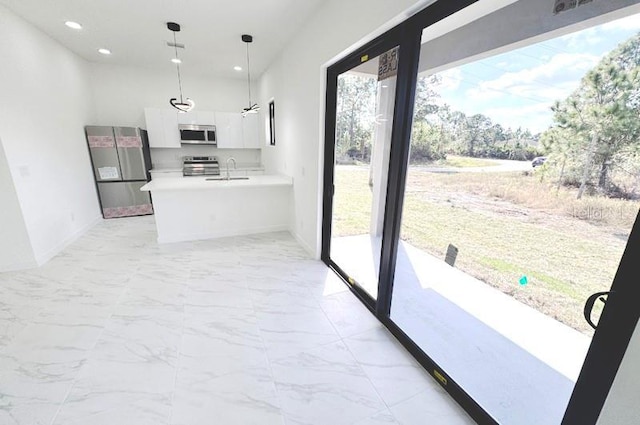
column 237, row 68
column 74, row 25
column 104, row 51
column 176, row 60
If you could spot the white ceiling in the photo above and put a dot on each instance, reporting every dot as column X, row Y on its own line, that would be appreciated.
column 136, row 33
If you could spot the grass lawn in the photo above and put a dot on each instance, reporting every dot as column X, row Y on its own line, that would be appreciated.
column 506, row 225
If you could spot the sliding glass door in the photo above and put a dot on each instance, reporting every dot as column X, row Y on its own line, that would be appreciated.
column 499, row 247
column 485, row 207
column 360, row 142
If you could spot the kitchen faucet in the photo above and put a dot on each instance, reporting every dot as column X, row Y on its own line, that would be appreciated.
column 234, row 166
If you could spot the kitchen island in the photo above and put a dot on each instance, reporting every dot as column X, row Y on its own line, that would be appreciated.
column 195, row 208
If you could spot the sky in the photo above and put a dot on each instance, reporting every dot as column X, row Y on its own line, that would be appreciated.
column 518, row 88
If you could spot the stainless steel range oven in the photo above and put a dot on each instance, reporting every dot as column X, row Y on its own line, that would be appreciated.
column 200, row 166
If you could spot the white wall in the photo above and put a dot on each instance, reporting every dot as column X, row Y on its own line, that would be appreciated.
column 46, row 101
column 296, row 81
column 621, row 407
column 15, row 248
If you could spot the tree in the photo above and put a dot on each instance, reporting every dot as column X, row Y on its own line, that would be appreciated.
column 355, row 109
column 426, row 96
column 601, row 118
column 478, row 135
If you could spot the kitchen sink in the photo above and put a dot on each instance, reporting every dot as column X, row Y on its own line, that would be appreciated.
column 225, row 179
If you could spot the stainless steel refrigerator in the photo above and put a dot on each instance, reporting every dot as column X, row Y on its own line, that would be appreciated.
column 121, row 163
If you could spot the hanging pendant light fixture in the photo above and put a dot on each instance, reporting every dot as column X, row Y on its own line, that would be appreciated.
column 253, row 107
column 184, row 105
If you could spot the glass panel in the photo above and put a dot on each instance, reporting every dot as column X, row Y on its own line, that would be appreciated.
column 192, row 135
column 522, row 187
column 364, row 119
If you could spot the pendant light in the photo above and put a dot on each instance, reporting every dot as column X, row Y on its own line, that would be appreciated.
column 253, row 107
column 184, row 105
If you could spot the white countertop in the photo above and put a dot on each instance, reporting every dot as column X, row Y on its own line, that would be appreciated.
column 200, row 183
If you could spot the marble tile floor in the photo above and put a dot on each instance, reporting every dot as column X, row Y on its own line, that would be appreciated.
column 248, row 330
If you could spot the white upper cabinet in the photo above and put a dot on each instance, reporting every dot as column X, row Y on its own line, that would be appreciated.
column 187, row 117
column 229, row 130
column 197, row 117
column 232, row 130
column 251, row 131
column 162, row 127
column 206, row 117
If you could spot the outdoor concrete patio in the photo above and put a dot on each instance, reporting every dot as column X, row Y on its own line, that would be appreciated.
column 517, row 363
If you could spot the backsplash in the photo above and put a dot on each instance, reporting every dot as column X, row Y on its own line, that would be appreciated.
column 172, row 158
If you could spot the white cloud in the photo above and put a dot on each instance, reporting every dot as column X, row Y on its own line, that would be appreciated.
column 581, row 39
column 536, row 117
column 450, row 79
column 547, row 82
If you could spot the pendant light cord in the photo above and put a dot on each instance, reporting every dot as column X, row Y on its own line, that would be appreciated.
column 249, row 75
column 175, row 45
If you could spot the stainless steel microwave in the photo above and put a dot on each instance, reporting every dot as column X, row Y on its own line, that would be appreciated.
column 193, row 134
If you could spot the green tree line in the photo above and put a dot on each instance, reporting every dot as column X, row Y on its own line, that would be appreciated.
column 437, row 129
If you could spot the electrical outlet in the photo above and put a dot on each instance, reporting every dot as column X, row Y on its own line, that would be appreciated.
column 72, row 216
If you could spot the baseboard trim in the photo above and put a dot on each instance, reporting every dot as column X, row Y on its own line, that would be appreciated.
column 304, row 244
column 23, row 265
column 43, row 259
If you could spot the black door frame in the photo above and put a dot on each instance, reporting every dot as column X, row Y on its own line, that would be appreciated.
column 377, row 47
column 618, row 320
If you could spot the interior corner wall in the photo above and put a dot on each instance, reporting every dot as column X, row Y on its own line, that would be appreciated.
column 621, row 406
column 121, row 93
column 15, row 248
column 296, row 80
column 45, row 103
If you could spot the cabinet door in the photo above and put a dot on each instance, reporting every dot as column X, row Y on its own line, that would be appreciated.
column 197, row 118
column 251, row 131
column 206, row 118
column 155, row 127
column 187, row 117
column 170, row 126
column 229, row 129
